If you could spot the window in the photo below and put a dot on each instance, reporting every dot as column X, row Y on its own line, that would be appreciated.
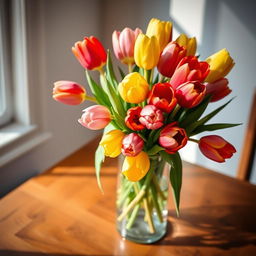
column 19, row 132
column 6, row 108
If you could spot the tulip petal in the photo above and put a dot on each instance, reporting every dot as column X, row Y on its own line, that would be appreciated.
column 135, row 168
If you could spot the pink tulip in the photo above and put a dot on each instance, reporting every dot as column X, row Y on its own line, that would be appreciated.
column 189, row 69
column 190, row 94
column 218, row 89
column 123, row 44
column 151, row 117
column 69, row 92
column 170, row 58
column 132, row 144
column 216, row 148
column 95, row 117
column 173, row 138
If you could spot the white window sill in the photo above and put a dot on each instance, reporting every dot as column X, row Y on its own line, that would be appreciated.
column 17, row 139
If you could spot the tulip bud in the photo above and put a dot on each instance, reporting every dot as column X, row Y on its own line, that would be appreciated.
column 151, row 117
column 132, row 144
column 133, row 88
column 216, row 148
column 190, row 94
column 162, row 96
column 90, row 53
column 188, row 43
column 95, row 117
column 170, row 58
column 172, row 138
column 69, row 92
column 146, row 51
column 123, row 44
column 218, row 89
column 220, row 65
column 162, row 30
column 112, row 143
column 189, row 69
column 136, row 167
column 132, row 119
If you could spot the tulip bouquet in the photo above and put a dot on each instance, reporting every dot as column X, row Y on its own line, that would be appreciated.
column 151, row 112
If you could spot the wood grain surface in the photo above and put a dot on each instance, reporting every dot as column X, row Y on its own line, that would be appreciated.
column 62, row 212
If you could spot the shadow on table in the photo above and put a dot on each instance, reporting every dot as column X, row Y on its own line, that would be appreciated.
column 219, row 226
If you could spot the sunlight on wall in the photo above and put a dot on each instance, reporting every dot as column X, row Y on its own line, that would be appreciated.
column 188, row 16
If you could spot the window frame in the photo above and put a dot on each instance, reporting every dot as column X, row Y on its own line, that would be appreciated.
column 24, row 132
column 5, row 82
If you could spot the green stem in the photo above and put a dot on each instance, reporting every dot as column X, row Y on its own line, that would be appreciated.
column 157, row 186
column 147, row 75
column 154, row 197
column 130, row 68
column 124, row 195
column 173, row 113
column 90, row 98
column 161, row 78
column 133, row 216
column 140, row 195
column 148, row 213
column 194, row 140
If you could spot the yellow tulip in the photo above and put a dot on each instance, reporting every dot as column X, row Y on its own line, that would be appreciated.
column 220, row 65
column 146, row 51
column 188, row 43
column 134, row 88
column 112, row 143
column 136, row 167
column 162, row 30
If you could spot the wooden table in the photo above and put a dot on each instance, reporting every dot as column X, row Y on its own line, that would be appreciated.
column 62, row 212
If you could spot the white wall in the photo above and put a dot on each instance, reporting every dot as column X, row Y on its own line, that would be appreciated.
column 53, row 27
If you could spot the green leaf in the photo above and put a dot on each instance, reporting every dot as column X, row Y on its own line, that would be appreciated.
column 110, row 71
column 153, row 137
column 99, row 159
column 205, row 119
column 97, row 91
column 213, row 127
column 175, row 175
column 136, row 69
column 122, row 74
column 119, row 120
column 156, row 79
column 154, row 150
column 193, row 114
column 113, row 95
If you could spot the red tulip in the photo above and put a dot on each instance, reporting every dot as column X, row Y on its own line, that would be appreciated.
column 151, row 117
column 132, row 119
column 189, row 69
column 172, row 138
column 218, row 89
column 216, row 148
column 170, row 58
column 190, row 94
column 162, row 96
column 132, row 144
column 90, row 53
column 69, row 92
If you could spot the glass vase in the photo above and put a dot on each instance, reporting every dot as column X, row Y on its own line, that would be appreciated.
column 142, row 208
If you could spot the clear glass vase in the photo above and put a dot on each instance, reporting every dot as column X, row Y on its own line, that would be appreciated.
column 142, row 208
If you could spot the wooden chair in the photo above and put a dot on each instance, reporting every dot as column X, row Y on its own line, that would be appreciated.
column 248, row 150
